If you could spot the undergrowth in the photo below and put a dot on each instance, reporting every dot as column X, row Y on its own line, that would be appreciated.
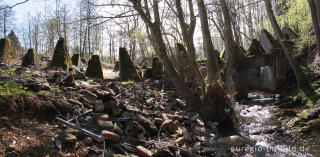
column 10, row 88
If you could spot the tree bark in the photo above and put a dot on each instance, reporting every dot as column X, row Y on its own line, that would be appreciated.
column 160, row 48
column 236, row 62
column 318, row 9
column 315, row 22
column 301, row 80
column 212, row 56
column 187, row 33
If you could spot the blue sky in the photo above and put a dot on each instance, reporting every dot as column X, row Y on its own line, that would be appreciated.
column 32, row 7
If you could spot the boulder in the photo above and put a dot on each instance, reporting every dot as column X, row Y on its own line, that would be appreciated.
column 255, row 48
column 268, row 42
column 94, row 68
column 61, row 57
column 128, row 72
column 76, row 59
column 157, row 69
column 6, row 50
column 30, row 58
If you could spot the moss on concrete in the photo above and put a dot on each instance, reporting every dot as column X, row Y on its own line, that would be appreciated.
column 6, row 50
column 61, row 57
column 128, row 71
column 94, row 68
column 76, row 59
column 31, row 58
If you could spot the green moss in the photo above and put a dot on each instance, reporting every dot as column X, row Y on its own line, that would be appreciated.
column 127, row 83
column 303, row 115
column 44, row 93
column 57, row 89
column 8, row 71
column 61, row 57
column 30, row 74
column 6, row 50
column 11, row 88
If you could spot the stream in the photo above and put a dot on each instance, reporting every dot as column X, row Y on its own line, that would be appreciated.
column 258, row 122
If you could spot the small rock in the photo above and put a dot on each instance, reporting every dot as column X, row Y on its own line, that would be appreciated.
column 158, row 121
column 96, row 149
column 104, row 117
column 98, row 106
column 67, row 137
column 143, row 152
column 68, row 81
column 134, row 129
column 110, row 136
column 232, row 141
column 150, row 101
column 179, row 141
column 199, row 122
column 117, row 129
column 105, row 124
column 170, row 125
column 200, row 131
column 87, row 140
column 186, row 135
column 151, row 129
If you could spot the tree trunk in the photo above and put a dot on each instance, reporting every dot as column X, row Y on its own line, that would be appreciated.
column 301, row 80
column 236, row 62
column 212, row 56
column 318, row 9
column 187, row 33
column 315, row 22
column 160, row 48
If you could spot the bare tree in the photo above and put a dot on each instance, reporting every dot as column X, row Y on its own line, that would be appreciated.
column 315, row 22
column 302, row 83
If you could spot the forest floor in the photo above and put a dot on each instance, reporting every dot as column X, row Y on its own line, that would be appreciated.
column 135, row 118
column 146, row 118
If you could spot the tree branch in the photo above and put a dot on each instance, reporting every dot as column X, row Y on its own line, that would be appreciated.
column 10, row 7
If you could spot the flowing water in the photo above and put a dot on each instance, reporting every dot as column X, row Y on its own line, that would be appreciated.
column 259, row 123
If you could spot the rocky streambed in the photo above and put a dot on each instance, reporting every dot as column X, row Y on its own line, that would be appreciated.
column 267, row 125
